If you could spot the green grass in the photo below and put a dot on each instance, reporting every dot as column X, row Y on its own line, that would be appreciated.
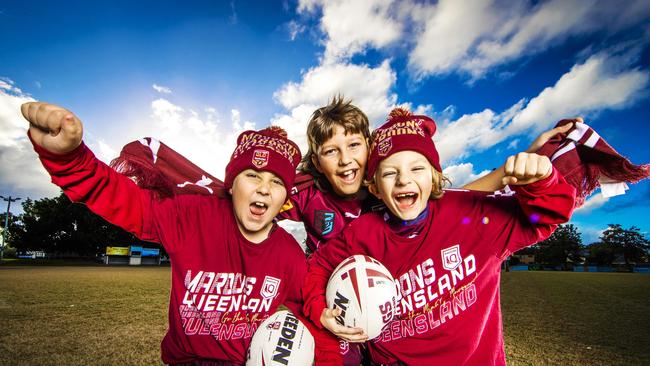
column 98, row 315
column 566, row 318
column 82, row 315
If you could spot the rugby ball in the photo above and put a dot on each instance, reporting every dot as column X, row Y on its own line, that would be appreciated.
column 281, row 339
column 365, row 292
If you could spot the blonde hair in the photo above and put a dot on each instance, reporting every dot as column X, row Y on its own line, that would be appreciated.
column 339, row 112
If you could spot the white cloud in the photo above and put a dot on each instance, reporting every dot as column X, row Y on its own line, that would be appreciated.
column 295, row 124
column 476, row 131
column 102, row 150
column 461, row 174
column 161, row 89
column 449, row 30
column 8, row 86
column 456, row 37
column 203, row 139
column 589, row 233
column 513, row 144
column 598, row 84
column 352, row 26
column 595, row 201
column 294, row 28
column 367, row 87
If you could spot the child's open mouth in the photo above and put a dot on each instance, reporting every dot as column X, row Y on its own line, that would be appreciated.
column 348, row 176
column 258, row 209
column 406, row 200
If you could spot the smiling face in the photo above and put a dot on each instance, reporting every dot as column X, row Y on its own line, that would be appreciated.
column 404, row 181
column 257, row 198
column 342, row 160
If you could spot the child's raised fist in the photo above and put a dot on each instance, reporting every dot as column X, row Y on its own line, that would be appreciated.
column 525, row 168
column 53, row 128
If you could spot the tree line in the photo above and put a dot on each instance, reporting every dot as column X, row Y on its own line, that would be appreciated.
column 616, row 245
column 61, row 227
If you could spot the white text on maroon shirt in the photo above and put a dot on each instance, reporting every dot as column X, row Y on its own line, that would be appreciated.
column 425, row 301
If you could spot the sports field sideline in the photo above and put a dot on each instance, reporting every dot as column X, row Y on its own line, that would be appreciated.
column 117, row 316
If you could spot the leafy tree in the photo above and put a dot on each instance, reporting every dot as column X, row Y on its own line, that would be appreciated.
column 15, row 227
column 57, row 225
column 627, row 243
column 563, row 245
column 601, row 254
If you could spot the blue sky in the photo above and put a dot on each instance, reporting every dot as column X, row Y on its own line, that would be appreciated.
column 493, row 74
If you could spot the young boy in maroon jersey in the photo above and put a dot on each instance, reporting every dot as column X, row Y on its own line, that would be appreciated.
column 444, row 248
column 223, row 283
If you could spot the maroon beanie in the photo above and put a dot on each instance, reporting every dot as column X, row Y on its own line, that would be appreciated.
column 265, row 150
column 403, row 131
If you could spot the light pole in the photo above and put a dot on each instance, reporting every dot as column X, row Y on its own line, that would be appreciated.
column 6, row 230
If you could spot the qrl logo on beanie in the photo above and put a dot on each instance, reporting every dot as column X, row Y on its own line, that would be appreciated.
column 385, row 146
column 401, row 132
column 260, row 158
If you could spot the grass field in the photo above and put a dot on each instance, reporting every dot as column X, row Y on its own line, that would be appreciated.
column 117, row 316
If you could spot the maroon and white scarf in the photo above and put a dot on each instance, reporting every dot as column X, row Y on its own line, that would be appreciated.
column 155, row 166
column 585, row 160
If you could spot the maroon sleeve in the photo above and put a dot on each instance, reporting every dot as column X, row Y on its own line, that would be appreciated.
column 116, row 198
column 320, row 267
column 544, row 204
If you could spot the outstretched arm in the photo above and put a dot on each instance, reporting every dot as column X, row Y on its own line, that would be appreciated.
column 495, row 180
column 56, row 134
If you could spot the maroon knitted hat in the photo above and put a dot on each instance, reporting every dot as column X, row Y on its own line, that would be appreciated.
column 403, row 131
column 265, row 150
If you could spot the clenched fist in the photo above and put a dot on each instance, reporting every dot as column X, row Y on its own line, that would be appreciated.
column 525, row 168
column 53, row 128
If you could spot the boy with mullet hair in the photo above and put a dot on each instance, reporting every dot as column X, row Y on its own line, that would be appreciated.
column 223, row 283
column 329, row 194
column 455, row 240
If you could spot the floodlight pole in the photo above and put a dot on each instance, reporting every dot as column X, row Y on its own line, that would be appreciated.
column 6, row 230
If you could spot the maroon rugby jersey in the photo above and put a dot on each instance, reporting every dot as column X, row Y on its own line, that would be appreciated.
column 325, row 214
column 448, row 310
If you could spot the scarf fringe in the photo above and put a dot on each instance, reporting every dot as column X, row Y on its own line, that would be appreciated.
column 144, row 175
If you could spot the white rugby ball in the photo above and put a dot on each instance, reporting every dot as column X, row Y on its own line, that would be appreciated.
column 365, row 292
column 281, row 339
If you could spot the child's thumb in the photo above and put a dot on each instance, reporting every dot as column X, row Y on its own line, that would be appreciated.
column 508, row 180
column 71, row 126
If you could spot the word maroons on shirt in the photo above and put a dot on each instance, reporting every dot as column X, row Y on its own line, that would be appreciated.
column 224, row 304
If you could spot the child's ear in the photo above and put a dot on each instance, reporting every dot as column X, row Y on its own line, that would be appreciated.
column 372, row 187
column 314, row 160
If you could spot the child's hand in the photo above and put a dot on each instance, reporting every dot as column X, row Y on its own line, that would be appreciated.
column 53, row 128
column 545, row 136
column 354, row 335
column 525, row 168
